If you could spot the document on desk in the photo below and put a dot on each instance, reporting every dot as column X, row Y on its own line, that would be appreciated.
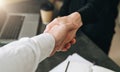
column 76, row 63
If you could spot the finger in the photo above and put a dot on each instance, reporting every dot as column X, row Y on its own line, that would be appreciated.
column 77, row 19
column 67, row 46
column 73, row 41
column 54, row 51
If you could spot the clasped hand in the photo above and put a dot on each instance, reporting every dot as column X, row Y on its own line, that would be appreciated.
column 64, row 31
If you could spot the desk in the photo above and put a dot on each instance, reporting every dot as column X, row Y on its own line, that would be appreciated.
column 84, row 46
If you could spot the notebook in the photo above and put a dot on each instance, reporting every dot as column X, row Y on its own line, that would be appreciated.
column 76, row 63
column 14, row 26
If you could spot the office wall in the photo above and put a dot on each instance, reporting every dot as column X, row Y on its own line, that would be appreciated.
column 12, row 1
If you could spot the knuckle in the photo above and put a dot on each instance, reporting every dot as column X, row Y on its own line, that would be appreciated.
column 56, row 19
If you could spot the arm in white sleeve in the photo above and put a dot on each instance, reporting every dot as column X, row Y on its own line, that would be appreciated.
column 25, row 54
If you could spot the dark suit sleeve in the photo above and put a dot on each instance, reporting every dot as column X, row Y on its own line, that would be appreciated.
column 65, row 8
column 91, row 10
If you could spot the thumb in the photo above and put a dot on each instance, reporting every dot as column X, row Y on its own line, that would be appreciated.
column 75, row 18
column 74, row 14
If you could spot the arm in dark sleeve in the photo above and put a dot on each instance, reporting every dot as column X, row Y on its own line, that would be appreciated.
column 64, row 9
column 91, row 10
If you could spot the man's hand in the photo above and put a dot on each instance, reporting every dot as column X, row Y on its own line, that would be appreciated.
column 64, row 30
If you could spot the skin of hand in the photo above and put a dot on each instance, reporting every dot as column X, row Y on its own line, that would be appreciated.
column 64, row 30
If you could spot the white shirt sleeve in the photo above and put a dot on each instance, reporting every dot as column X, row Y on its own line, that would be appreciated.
column 25, row 54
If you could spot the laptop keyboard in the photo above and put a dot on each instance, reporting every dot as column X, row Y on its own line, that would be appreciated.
column 1, row 24
column 13, row 27
column 2, row 21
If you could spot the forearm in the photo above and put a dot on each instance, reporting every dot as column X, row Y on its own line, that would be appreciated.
column 65, row 8
column 24, row 55
column 91, row 10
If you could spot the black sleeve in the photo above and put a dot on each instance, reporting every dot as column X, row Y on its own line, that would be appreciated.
column 91, row 10
column 64, row 9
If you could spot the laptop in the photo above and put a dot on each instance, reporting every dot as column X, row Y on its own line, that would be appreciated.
column 14, row 26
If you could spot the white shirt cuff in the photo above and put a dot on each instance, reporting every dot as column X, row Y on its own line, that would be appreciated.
column 46, row 43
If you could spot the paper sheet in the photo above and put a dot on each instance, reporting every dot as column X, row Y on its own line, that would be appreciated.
column 78, row 64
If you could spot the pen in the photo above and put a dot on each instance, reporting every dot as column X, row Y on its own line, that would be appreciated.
column 67, row 66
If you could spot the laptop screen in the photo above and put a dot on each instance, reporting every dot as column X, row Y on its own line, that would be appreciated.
column 12, row 27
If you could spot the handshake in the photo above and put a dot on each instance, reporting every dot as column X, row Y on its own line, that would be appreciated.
column 64, row 31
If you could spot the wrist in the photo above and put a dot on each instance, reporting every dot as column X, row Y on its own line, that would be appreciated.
column 53, row 34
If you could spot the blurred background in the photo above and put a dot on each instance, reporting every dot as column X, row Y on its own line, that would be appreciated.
column 114, row 53
column 4, row 2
